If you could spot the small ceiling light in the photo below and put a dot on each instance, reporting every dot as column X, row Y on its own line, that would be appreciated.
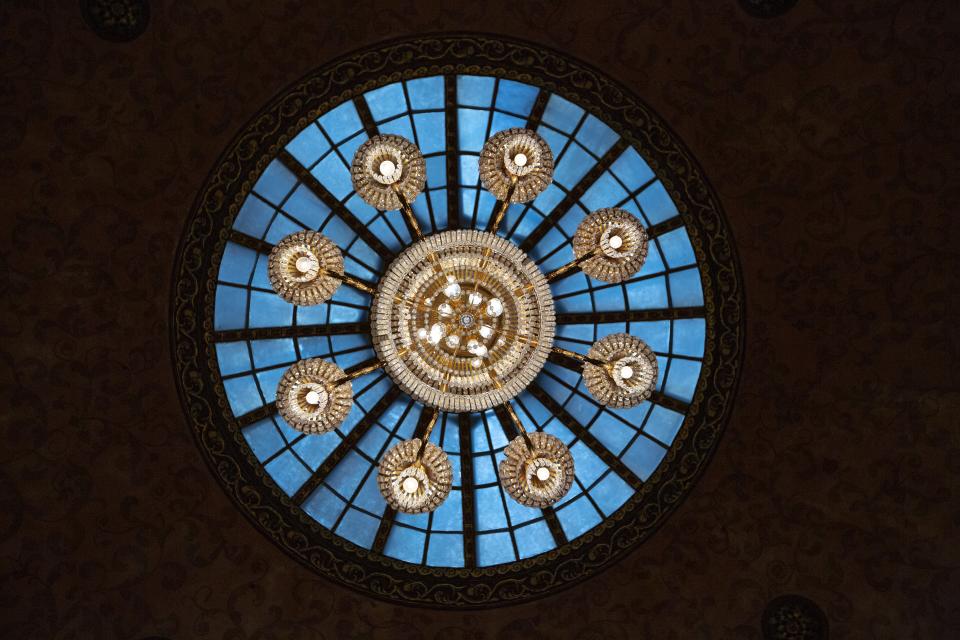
column 611, row 244
column 312, row 397
column 389, row 172
column 305, row 268
column 537, row 469
column 620, row 370
column 415, row 476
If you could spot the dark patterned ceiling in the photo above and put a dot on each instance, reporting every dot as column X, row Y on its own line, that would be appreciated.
column 828, row 133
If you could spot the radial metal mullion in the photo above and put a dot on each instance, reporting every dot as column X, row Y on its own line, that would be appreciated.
column 452, row 150
column 536, row 112
column 366, row 119
column 468, row 505
column 666, row 226
column 574, row 194
column 631, row 315
column 256, row 415
column 321, row 192
column 248, row 241
column 292, row 331
column 346, row 445
column 587, row 438
column 553, row 523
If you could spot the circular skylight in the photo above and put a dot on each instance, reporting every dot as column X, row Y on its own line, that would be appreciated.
column 316, row 494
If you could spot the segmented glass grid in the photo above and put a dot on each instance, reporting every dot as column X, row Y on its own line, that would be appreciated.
column 348, row 501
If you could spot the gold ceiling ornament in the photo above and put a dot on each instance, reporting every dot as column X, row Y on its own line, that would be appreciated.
column 620, row 371
column 415, row 476
column 537, row 469
column 314, row 396
column 516, row 165
column 612, row 245
column 305, row 268
column 463, row 320
column 388, row 172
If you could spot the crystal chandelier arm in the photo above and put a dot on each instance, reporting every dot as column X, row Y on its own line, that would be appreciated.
column 355, row 282
column 427, row 431
column 578, row 356
column 519, row 425
column 569, row 268
column 502, row 206
column 362, row 371
column 408, row 213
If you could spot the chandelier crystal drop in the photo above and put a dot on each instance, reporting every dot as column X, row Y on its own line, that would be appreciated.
column 305, row 268
column 312, row 396
column 621, row 371
column 462, row 320
column 612, row 243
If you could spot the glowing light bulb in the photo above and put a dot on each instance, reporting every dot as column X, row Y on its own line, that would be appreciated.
column 436, row 332
column 304, row 264
column 520, row 160
column 494, row 307
column 626, row 373
column 453, row 341
column 313, row 398
column 616, row 242
column 445, row 309
column 387, row 168
column 476, row 363
column 422, row 334
column 452, row 290
column 543, row 474
column 411, row 484
column 475, row 298
column 486, row 331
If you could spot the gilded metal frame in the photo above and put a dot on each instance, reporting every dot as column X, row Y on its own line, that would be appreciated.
column 216, row 430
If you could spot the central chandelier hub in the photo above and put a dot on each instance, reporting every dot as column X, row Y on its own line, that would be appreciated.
column 463, row 320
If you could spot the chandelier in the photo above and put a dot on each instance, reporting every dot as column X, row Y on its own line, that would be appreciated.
column 462, row 320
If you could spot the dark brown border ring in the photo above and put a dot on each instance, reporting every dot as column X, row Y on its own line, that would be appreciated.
column 201, row 390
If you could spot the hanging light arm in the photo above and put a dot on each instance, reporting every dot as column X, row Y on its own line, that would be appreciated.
column 502, row 206
column 573, row 264
column 408, row 213
column 353, row 375
column 426, row 432
column 519, row 425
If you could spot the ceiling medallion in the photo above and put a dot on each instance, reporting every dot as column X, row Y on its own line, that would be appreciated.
column 367, row 358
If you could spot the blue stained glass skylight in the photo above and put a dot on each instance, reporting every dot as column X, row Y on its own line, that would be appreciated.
column 345, row 500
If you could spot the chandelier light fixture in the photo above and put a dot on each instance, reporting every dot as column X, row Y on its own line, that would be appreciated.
column 462, row 320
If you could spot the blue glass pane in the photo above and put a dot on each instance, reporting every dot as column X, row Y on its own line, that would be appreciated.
column 324, row 507
column 308, row 145
column 656, row 204
column 237, row 263
column 358, row 528
column 436, row 169
column 483, row 470
column 631, row 169
column 610, row 493
column 577, row 517
column 516, row 97
column 648, row 294
column 233, row 357
column 346, row 476
column 272, row 352
column 268, row 381
column 306, row 207
column 426, row 93
column 369, row 498
column 605, row 192
column 230, row 308
column 269, row 310
column 445, row 550
column 596, row 136
column 405, row 544
column 476, row 91
column 472, row 129
column 334, row 175
column 643, row 456
column 281, row 227
column 386, row 101
column 288, row 472
column 520, row 514
column 263, row 438
column 562, row 114
column 685, row 288
column 398, row 126
column 689, row 337
column 432, row 137
column 676, row 248
column 534, row 539
column 663, row 424
column 656, row 333
column 254, row 216
column 588, row 466
column 242, row 394
column 572, row 166
column 342, row 122
column 612, row 434
column 554, row 139
column 314, row 449
column 494, row 548
column 275, row 183
column 490, row 513
column 449, row 515
column 503, row 121
column 682, row 380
